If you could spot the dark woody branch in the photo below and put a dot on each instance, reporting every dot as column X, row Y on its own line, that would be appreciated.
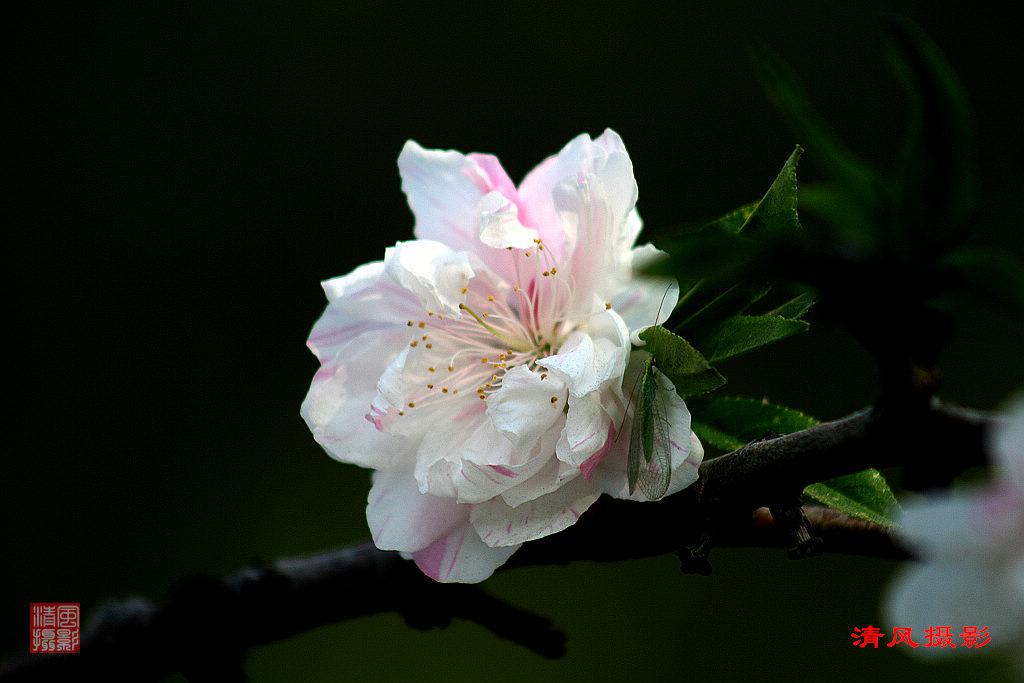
column 769, row 473
column 206, row 625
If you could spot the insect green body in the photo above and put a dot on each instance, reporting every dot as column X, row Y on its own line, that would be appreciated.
column 650, row 457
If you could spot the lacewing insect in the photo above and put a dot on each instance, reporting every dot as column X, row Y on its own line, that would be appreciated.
column 650, row 458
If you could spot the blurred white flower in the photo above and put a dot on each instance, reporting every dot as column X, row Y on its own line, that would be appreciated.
column 479, row 368
column 971, row 548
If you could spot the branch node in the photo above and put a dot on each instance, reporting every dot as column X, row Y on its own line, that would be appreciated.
column 792, row 522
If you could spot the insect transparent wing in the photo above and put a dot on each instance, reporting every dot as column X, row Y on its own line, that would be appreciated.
column 655, row 474
column 650, row 458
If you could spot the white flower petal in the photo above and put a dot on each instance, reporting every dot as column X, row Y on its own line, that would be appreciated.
column 1006, row 444
column 402, row 518
column 584, row 363
column 551, row 475
column 586, row 429
column 955, row 594
column 939, row 525
column 431, row 271
column 526, row 406
column 477, row 483
column 443, row 188
column 499, row 524
column 646, row 301
column 579, row 158
column 461, row 557
column 499, row 223
column 595, row 207
column 363, row 301
column 340, row 398
column 471, row 461
column 971, row 548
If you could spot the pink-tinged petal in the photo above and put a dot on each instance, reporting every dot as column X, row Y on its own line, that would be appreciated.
column 580, row 157
column 447, row 453
column 474, row 463
column 971, row 551
column 590, row 464
column 391, row 385
column 499, row 223
column 477, row 483
column 461, row 557
column 537, row 203
column 365, row 300
column 497, row 179
column 341, row 395
column 402, row 518
column 526, row 405
column 687, row 455
column 599, row 253
column 586, row 429
column 444, row 189
column 499, row 524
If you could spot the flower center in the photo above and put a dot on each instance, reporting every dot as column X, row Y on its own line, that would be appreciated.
column 502, row 325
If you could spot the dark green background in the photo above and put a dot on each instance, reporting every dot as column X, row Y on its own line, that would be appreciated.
column 184, row 175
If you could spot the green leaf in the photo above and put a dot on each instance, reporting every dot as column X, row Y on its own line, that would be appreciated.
column 795, row 308
column 746, row 419
column 989, row 276
column 733, row 301
column 733, row 221
column 776, row 215
column 774, row 218
column 864, row 494
column 785, row 90
column 937, row 162
column 689, row 371
column 842, row 218
column 743, row 333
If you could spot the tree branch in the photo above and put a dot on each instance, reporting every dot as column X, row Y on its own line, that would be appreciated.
column 205, row 627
